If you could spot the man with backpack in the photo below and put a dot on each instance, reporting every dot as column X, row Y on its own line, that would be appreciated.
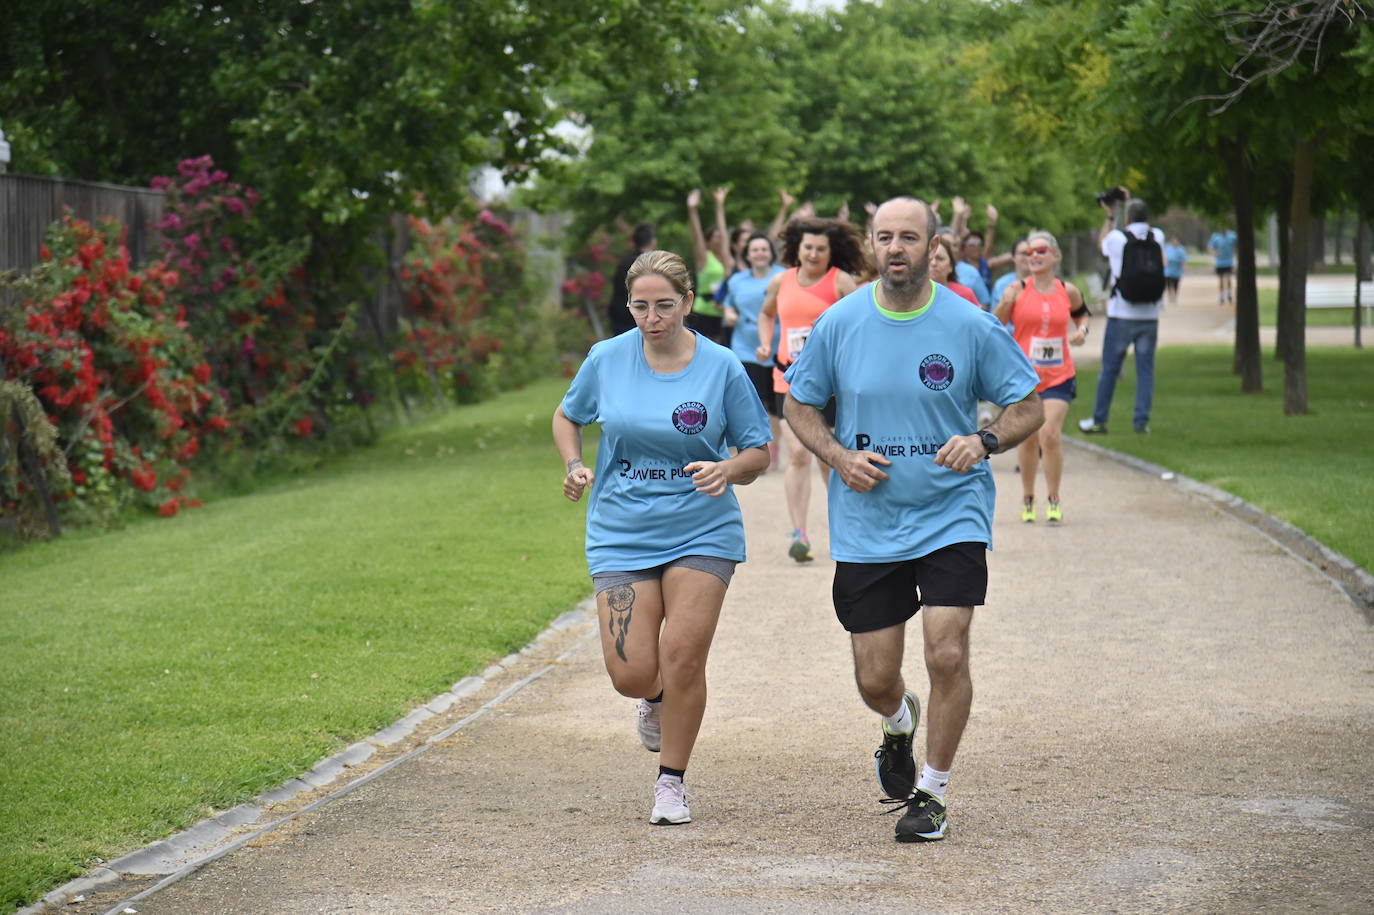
column 1135, row 255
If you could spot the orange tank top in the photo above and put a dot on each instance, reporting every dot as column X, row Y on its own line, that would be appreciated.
column 1040, row 324
column 798, row 308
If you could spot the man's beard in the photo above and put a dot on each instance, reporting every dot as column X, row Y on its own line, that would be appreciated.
column 909, row 286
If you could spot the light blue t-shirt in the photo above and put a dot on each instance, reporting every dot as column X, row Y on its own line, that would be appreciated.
column 903, row 386
column 745, row 293
column 1174, row 258
column 1224, row 244
column 968, row 274
column 1001, row 285
column 643, row 510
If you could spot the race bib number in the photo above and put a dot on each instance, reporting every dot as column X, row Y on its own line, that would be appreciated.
column 796, row 339
column 1046, row 352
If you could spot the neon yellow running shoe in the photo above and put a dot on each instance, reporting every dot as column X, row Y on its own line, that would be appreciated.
column 1053, row 513
column 1028, row 512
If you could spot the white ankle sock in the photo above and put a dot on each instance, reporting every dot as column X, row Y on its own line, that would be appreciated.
column 901, row 722
column 934, row 781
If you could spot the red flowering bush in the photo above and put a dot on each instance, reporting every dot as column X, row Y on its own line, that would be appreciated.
column 586, row 292
column 471, row 325
column 587, row 287
column 108, row 354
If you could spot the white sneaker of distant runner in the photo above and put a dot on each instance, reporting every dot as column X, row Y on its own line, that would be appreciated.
column 670, row 802
column 650, row 725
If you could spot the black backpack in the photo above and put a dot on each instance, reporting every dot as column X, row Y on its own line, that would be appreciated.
column 1141, row 281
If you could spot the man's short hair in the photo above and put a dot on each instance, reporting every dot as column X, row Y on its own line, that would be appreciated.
column 1137, row 211
column 644, row 235
column 932, row 224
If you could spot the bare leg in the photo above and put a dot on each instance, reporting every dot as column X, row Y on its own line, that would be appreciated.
column 630, row 618
column 796, row 478
column 692, row 600
column 1052, row 444
column 878, row 667
column 951, row 681
column 1028, row 459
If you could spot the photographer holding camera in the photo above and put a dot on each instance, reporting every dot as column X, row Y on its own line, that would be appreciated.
column 1135, row 255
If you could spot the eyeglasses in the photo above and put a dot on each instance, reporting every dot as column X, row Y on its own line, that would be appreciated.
column 664, row 309
column 1039, row 249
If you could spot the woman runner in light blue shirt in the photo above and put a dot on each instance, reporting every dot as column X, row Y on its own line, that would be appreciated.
column 664, row 529
column 744, row 298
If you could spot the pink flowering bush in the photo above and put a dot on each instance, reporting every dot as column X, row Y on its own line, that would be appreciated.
column 247, row 310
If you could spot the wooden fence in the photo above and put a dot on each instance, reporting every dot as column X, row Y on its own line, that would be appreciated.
column 29, row 204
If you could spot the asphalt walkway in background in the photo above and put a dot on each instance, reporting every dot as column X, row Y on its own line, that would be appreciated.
column 1171, row 713
column 1197, row 318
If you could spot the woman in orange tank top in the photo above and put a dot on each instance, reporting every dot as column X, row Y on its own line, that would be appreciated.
column 1047, row 316
column 824, row 256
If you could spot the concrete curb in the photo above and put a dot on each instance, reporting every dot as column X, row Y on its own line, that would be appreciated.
column 1355, row 582
column 179, row 855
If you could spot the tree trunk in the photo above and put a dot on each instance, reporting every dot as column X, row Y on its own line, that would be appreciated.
column 1294, row 321
column 1364, row 264
column 1360, row 250
column 1283, row 206
column 1248, row 362
column 1317, row 251
column 32, row 465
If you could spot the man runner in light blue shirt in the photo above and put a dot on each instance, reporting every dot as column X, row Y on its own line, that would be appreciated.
column 907, row 362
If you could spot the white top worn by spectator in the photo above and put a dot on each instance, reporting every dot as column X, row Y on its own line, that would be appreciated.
column 1112, row 246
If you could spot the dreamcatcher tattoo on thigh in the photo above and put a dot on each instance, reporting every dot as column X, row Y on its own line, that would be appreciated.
column 621, row 601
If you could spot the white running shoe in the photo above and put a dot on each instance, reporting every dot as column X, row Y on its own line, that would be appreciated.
column 650, row 725
column 670, row 802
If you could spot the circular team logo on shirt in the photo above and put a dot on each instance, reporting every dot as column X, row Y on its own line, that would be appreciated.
column 690, row 418
column 937, row 372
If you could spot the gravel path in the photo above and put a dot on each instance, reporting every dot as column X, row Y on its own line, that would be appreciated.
column 1171, row 714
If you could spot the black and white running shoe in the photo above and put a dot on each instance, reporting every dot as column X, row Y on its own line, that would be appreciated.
column 925, row 819
column 896, row 763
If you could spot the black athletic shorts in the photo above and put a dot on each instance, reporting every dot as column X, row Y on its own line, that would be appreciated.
column 875, row 595
column 762, row 377
column 828, row 411
column 1223, row 271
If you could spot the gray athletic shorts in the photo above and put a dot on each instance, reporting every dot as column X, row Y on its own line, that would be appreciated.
column 721, row 568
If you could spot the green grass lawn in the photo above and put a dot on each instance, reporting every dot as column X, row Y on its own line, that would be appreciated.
column 1312, row 471
column 158, row 671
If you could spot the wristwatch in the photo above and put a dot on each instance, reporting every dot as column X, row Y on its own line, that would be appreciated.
column 989, row 441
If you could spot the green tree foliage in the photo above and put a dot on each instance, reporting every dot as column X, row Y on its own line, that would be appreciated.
column 722, row 118
column 339, row 113
column 837, row 106
column 1157, row 91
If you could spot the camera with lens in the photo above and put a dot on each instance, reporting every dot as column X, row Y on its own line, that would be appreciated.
column 1112, row 196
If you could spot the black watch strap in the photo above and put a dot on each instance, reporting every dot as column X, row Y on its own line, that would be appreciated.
column 989, row 440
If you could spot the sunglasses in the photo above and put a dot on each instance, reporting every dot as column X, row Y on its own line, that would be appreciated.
column 1039, row 249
